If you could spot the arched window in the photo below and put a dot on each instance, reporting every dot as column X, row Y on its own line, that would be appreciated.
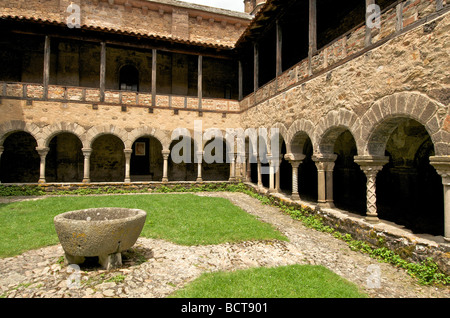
column 129, row 78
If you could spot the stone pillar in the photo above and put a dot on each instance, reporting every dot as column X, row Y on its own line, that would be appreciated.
column 260, row 184
column 199, row 166
column 127, row 153
column 243, row 165
column 272, row 165
column 232, row 158
column 371, row 166
column 248, row 176
column 278, row 174
column 1, row 151
column 442, row 166
column 87, row 164
column 295, row 161
column 325, row 166
column 165, row 154
column 43, row 154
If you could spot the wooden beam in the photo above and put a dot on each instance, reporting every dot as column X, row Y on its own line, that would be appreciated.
column 102, row 71
column 154, row 56
column 312, row 27
column 279, row 48
column 200, row 81
column 46, row 78
column 312, row 47
column 240, row 80
column 255, row 67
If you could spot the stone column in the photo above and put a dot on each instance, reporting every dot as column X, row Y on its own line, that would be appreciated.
column 165, row 154
column 232, row 178
column 278, row 174
column 199, row 166
column 43, row 154
column 295, row 161
column 442, row 166
column 1, row 151
column 325, row 166
column 248, row 175
column 272, row 165
column 371, row 166
column 127, row 153
column 243, row 165
column 87, row 164
column 260, row 184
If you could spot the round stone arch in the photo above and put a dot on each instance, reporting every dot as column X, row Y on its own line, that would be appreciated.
column 298, row 133
column 158, row 134
column 331, row 127
column 13, row 126
column 220, row 134
column 93, row 133
column 282, row 135
column 49, row 132
column 384, row 116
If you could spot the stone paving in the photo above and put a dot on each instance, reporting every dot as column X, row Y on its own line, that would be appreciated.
column 156, row 268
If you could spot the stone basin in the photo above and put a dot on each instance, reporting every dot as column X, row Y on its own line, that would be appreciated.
column 99, row 232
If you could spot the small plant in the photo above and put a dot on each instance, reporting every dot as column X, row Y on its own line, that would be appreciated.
column 116, row 279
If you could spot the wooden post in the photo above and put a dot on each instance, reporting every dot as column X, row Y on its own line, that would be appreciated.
column 102, row 71
column 46, row 65
column 255, row 67
column 368, row 39
column 154, row 56
column 279, row 46
column 241, row 82
column 200, row 81
column 399, row 13
column 312, row 33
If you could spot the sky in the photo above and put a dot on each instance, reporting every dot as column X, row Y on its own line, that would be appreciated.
column 235, row 5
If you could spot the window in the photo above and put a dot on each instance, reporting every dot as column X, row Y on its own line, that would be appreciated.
column 129, row 78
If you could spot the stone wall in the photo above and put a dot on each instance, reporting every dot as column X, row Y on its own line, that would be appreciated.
column 405, row 75
column 162, row 19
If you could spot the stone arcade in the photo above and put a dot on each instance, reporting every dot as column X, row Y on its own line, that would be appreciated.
column 363, row 112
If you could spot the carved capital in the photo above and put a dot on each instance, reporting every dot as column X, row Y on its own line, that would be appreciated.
column 166, row 154
column 42, row 151
column 370, row 165
column 442, row 166
column 324, row 162
column 86, row 151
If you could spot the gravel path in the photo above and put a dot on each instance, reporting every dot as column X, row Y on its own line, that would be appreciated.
column 156, row 268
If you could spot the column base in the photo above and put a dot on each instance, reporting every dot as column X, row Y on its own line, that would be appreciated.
column 127, row 180
column 41, row 181
column 295, row 197
column 199, row 180
column 86, row 180
column 372, row 219
column 447, row 239
column 165, row 180
column 326, row 205
column 273, row 191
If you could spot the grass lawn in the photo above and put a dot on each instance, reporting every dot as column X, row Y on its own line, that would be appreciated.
column 295, row 281
column 184, row 219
